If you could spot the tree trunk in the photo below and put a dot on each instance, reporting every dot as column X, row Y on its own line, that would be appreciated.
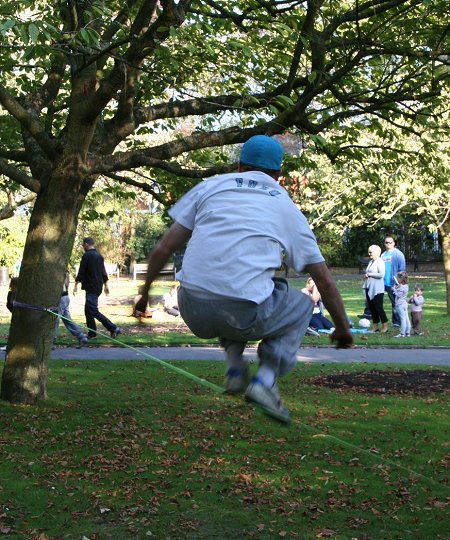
column 445, row 233
column 47, row 251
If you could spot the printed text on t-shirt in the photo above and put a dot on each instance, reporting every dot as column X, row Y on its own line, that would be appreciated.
column 255, row 184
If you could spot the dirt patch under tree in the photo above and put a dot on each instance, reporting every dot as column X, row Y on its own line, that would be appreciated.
column 418, row 382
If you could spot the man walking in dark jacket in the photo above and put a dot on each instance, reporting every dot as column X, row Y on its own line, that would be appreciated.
column 93, row 277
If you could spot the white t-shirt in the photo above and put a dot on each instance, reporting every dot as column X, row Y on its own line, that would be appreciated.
column 241, row 225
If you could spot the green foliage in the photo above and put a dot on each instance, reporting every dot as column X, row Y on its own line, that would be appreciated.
column 387, row 179
column 12, row 241
column 148, row 230
column 108, row 216
column 343, row 86
column 331, row 246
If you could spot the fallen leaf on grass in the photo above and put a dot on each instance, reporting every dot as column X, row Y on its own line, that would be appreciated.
column 325, row 533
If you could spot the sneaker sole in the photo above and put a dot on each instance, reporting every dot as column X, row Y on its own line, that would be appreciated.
column 281, row 416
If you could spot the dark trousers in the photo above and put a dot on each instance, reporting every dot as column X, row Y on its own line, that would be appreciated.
column 319, row 321
column 367, row 313
column 395, row 317
column 376, row 308
column 416, row 317
column 91, row 313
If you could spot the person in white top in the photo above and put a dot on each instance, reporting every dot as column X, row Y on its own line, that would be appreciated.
column 318, row 320
column 170, row 301
column 374, row 288
column 239, row 227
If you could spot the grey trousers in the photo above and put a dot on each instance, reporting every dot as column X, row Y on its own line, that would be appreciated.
column 73, row 328
column 280, row 322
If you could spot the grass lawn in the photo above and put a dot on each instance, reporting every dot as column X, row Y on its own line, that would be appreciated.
column 166, row 330
column 135, row 450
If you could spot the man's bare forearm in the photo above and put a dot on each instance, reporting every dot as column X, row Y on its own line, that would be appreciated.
column 174, row 239
column 156, row 261
column 330, row 294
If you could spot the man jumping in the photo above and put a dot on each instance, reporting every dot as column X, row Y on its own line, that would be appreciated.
column 239, row 227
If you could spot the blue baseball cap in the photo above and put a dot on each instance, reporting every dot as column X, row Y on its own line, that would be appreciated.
column 263, row 152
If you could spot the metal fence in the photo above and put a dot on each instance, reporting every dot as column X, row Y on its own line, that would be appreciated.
column 417, row 244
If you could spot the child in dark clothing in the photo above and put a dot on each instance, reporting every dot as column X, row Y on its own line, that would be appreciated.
column 11, row 293
column 10, row 299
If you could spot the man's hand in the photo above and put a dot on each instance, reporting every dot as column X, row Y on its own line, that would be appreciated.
column 141, row 305
column 106, row 289
column 343, row 339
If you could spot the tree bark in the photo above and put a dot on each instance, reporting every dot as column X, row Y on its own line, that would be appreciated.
column 47, row 250
column 445, row 233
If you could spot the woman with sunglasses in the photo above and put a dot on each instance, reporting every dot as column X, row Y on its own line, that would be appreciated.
column 394, row 262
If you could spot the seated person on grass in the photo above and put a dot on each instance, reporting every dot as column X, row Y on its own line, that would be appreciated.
column 170, row 300
column 318, row 320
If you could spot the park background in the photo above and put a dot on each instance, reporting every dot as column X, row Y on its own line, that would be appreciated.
column 110, row 110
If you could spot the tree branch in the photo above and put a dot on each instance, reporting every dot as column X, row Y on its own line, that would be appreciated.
column 157, row 155
column 306, row 31
column 28, row 122
column 14, row 155
column 20, row 177
column 48, row 92
column 173, row 15
column 9, row 209
column 141, row 185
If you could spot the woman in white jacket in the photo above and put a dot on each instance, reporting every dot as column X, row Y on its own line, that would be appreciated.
column 374, row 287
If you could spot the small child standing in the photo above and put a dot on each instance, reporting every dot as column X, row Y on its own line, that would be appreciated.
column 401, row 290
column 416, row 302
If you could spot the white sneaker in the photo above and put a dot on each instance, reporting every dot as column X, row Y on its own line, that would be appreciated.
column 268, row 399
column 236, row 380
column 311, row 332
column 400, row 335
column 115, row 332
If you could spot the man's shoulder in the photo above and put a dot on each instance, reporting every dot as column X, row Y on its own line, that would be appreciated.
column 92, row 253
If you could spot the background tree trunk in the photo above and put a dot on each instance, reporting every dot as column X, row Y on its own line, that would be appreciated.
column 445, row 233
column 46, row 255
